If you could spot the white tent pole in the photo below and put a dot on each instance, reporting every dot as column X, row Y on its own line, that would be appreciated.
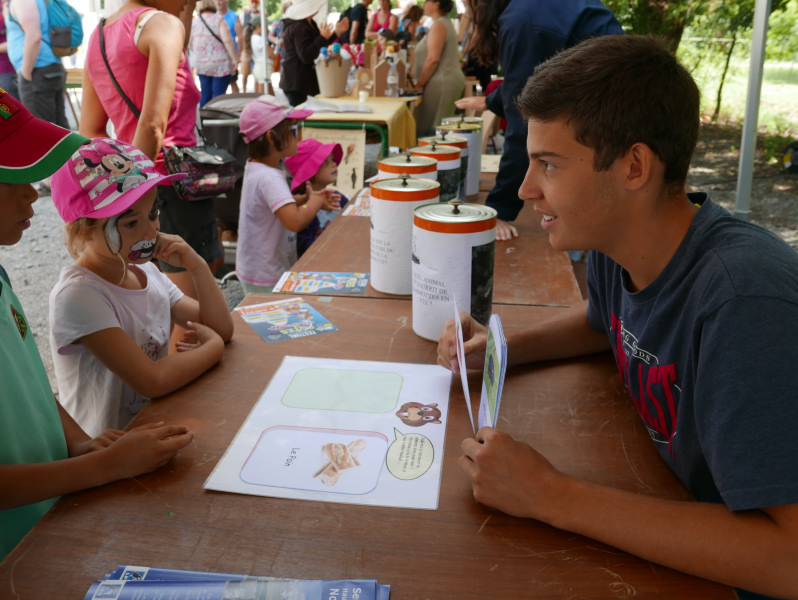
column 264, row 31
column 742, row 207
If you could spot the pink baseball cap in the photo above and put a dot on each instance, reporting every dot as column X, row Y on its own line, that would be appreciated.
column 310, row 155
column 264, row 113
column 31, row 149
column 103, row 179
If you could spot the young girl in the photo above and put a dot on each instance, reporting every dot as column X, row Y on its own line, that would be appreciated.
column 112, row 310
column 317, row 164
column 256, row 41
column 270, row 216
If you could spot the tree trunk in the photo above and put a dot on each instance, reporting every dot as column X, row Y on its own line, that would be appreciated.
column 723, row 77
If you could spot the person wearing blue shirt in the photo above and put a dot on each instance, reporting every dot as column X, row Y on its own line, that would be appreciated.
column 522, row 34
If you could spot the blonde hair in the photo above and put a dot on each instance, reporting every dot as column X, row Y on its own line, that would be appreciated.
column 77, row 233
column 206, row 6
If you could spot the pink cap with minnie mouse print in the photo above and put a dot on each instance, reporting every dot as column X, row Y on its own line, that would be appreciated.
column 103, row 179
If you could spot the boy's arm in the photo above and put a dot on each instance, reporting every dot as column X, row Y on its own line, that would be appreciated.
column 138, row 451
column 565, row 334
column 756, row 550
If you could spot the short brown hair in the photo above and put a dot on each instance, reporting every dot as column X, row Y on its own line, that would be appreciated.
column 618, row 90
column 261, row 147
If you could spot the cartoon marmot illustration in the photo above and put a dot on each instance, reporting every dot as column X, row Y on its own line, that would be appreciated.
column 416, row 414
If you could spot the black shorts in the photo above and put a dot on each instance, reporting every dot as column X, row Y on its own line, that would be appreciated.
column 194, row 221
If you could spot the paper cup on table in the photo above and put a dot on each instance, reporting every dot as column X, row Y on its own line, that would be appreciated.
column 448, row 158
column 453, row 251
column 363, row 96
column 392, row 205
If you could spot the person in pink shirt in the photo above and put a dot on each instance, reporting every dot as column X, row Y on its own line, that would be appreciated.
column 145, row 44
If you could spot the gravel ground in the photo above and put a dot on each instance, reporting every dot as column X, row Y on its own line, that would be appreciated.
column 34, row 263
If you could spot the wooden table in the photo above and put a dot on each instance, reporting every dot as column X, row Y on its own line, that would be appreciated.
column 527, row 270
column 577, row 413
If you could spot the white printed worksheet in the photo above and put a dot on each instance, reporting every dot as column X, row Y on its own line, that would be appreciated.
column 333, row 430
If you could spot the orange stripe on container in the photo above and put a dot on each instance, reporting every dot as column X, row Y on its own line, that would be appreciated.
column 415, row 169
column 405, row 195
column 446, row 227
column 439, row 155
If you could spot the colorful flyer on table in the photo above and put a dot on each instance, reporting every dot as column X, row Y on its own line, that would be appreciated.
column 319, row 282
column 345, row 431
column 360, row 206
column 493, row 374
column 284, row 320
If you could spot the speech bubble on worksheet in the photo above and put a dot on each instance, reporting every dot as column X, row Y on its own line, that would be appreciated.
column 410, row 455
column 324, row 460
column 343, row 390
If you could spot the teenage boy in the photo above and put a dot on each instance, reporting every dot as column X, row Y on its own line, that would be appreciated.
column 43, row 452
column 699, row 308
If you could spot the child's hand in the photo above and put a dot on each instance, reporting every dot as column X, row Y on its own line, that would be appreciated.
column 330, row 199
column 201, row 334
column 176, row 251
column 105, row 439
column 303, row 197
column 145, row 448
column 189, row 341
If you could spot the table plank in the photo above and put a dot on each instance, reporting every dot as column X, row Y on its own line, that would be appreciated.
column 576, row 412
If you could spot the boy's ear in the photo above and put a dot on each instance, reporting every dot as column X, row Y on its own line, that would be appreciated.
column 640, row 165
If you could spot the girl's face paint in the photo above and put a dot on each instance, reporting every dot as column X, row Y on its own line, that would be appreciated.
column 142, row 250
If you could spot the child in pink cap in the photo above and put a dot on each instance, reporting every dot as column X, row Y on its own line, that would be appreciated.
column 270, row 216
column 112, row 311
column 44, row 453
column 317, row 164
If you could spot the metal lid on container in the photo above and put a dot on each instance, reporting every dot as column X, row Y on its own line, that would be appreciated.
column 455, row 217
column 444, row 139
column 463, row 119
column 412, row 164
column 461, row 127
column 437, row 151
column 405, row 189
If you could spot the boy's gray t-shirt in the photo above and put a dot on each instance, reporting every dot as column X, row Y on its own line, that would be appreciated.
column 708, row 353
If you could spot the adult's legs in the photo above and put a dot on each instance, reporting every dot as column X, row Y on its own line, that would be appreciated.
column 295, row 98
column 219, row 85
column 43, row 96
column 206, row 89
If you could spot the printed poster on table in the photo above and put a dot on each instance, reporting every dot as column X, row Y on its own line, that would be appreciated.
column 353, row 144
column 284, row 320
column 354, row 432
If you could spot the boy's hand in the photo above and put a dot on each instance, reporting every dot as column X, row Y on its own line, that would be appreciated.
column 475, row 340
column 176, row 251
column 145, row 448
